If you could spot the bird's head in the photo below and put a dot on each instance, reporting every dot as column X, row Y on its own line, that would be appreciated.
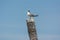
column 28, row 12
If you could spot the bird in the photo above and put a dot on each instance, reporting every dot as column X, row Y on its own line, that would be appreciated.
column 31, row 15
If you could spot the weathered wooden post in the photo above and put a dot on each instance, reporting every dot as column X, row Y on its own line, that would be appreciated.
column 31, row 28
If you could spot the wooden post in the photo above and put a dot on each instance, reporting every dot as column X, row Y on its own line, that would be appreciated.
column 31, row 30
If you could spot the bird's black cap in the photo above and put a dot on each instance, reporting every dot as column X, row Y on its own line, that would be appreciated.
column 28, row 10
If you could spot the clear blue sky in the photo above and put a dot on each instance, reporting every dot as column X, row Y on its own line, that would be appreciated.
column 13, row 19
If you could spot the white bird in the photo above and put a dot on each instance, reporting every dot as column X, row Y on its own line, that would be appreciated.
column 31, row 15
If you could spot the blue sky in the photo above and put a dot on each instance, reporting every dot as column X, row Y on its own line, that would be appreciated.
column 13, row 19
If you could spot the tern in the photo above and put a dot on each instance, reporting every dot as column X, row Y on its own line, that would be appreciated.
column 31, row 15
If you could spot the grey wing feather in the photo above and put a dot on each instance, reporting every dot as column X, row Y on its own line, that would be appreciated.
column 34, row 15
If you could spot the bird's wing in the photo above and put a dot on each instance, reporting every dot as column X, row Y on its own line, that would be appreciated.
column 32, row 15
